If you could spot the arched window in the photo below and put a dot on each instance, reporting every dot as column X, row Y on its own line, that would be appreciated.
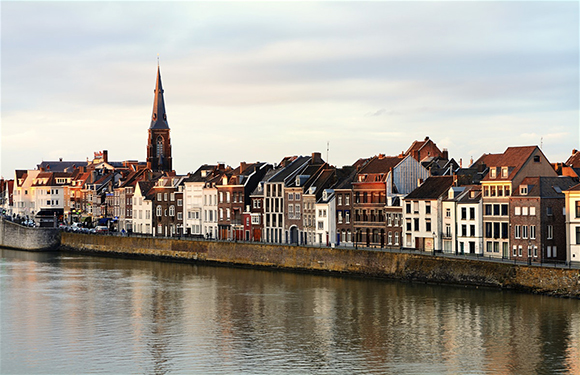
column 159, row 146
column 171, row 210
column 158, row 210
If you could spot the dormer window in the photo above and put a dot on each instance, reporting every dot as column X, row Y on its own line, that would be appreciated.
column 523, row 189
column 297, row 180
column 493, row 172
column 504, row 172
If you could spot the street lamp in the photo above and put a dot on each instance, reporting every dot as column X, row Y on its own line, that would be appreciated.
column 434, row 241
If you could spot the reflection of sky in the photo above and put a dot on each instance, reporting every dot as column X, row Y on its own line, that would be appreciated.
column 285, row 78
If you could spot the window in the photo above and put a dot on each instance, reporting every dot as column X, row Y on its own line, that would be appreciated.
column 165, row 197
column 227, row 197
column 347, row 216
column 428, row 225
column 504, row 230
column 577, row 209
column 489, row 246
column 577, row 235
column 221, row 213
column 171, row 210
column 227, row 213
column 180, row 202
column 409, row 228
column 158, row 211
column 520, row 250
column 536, row 158
column 179, row 216
column 533, row 232
column 339, row 217
column 408, row 207
column 290, row 208
column 517, row 211
column 549, row 211
column 448, row 230
column 535, row 251
column 463, row 213
column 524, row 211
column 488, row 230
column 515, row 250
column 523, row 189
column 222, row 196
column 524, row 231
column 492, row 190
column 464, row 230
column 347, row 200
column 390, row 237
column 416, row 225
column 486, row 191
column 488, row 209
column 448, row 212
column 504, row 210
column 496, row 208
column 471, row 213
column 321, row 225
column 290, row 196
column 550, row 232
column 427, row 207
column 472, row 230
column 172, row 197
column 493, row 172
column 159, row 197
column 504, row 172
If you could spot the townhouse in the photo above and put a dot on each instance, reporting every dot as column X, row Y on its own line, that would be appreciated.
column 505, row 172
column 572, row 201
column 325, row 219
column 287, row 170
column 143, row 199
column 167, row 205
column 200, row 200
column 538, row 219
column 314, row 189
column 233, row 193
column 422, row 214
column 469, row 223
column 343, row 203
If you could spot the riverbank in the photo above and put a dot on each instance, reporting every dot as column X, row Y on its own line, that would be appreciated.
column 392, row 265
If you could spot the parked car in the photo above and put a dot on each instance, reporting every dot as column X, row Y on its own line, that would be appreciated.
column 102, row 229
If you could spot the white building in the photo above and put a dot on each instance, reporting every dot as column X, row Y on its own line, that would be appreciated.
column 142, row 208
column 573, row 224
column 423, row 229
column 469, row 216
column 325, row 219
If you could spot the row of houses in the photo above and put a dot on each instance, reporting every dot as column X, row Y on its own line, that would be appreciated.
column 514, row 205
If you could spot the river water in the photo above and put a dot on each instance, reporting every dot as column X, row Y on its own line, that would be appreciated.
column 74, row 314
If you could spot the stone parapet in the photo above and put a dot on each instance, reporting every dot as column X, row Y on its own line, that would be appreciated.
column 16, row 236
column 392, row 265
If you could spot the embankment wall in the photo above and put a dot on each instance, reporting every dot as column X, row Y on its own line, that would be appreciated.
column 17, row 236
column 404, row 266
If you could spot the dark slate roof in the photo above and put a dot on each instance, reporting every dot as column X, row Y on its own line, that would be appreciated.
column 197, row 175
column 60, row 166
column 159, row 117
column 286, row 172
column 432, row 188
column 466, row 197
column 546, row 187
column 146, row 188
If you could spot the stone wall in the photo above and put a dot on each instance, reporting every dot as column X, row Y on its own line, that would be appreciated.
column 16, row 236
column 404, row 266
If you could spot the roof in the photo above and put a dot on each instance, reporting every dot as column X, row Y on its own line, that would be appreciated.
column 289, row 170
column 467, row 196
column 60, row 166
column 432, row 188
column 574, row 159
column 513, row 157
column 146, row 188
column 546, row 187
column 381, row 164
column 159, row 117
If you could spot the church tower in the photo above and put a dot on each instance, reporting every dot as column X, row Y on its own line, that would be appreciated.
column 159, row 143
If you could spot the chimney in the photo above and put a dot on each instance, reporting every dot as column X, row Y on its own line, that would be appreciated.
column 574, row 151
column 105, row 156
column 316, row 158
column 60, row 159
column 445, row 154
column 426, row 138
column 242, row 166
column 460, row 162
column 221, row 166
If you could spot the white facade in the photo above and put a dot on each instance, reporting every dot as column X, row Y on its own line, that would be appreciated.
column 325, row 234
column 142, row 212
column 422, row 226
column 274, row 212
column 192, row 201
column 23, row 198
column 470, row 223
column 573, row 225
column 209, row 211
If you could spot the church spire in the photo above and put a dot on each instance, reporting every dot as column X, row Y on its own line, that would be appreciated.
column 159, row 117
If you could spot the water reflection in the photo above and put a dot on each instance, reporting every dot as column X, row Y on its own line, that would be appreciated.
column 78, row 314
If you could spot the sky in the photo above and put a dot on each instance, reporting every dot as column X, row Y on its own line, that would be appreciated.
column 257, row 81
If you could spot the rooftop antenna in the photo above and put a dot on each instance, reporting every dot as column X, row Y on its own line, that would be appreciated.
column 327, row 148
column 157, row 59
column 541, row 142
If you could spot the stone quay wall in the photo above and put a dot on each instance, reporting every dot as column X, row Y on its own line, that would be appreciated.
column 391, row 265
column 16, row 236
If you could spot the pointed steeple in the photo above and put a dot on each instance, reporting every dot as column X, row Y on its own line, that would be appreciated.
column 159, row 117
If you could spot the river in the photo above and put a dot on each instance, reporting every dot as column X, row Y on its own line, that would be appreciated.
column 77, row 314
